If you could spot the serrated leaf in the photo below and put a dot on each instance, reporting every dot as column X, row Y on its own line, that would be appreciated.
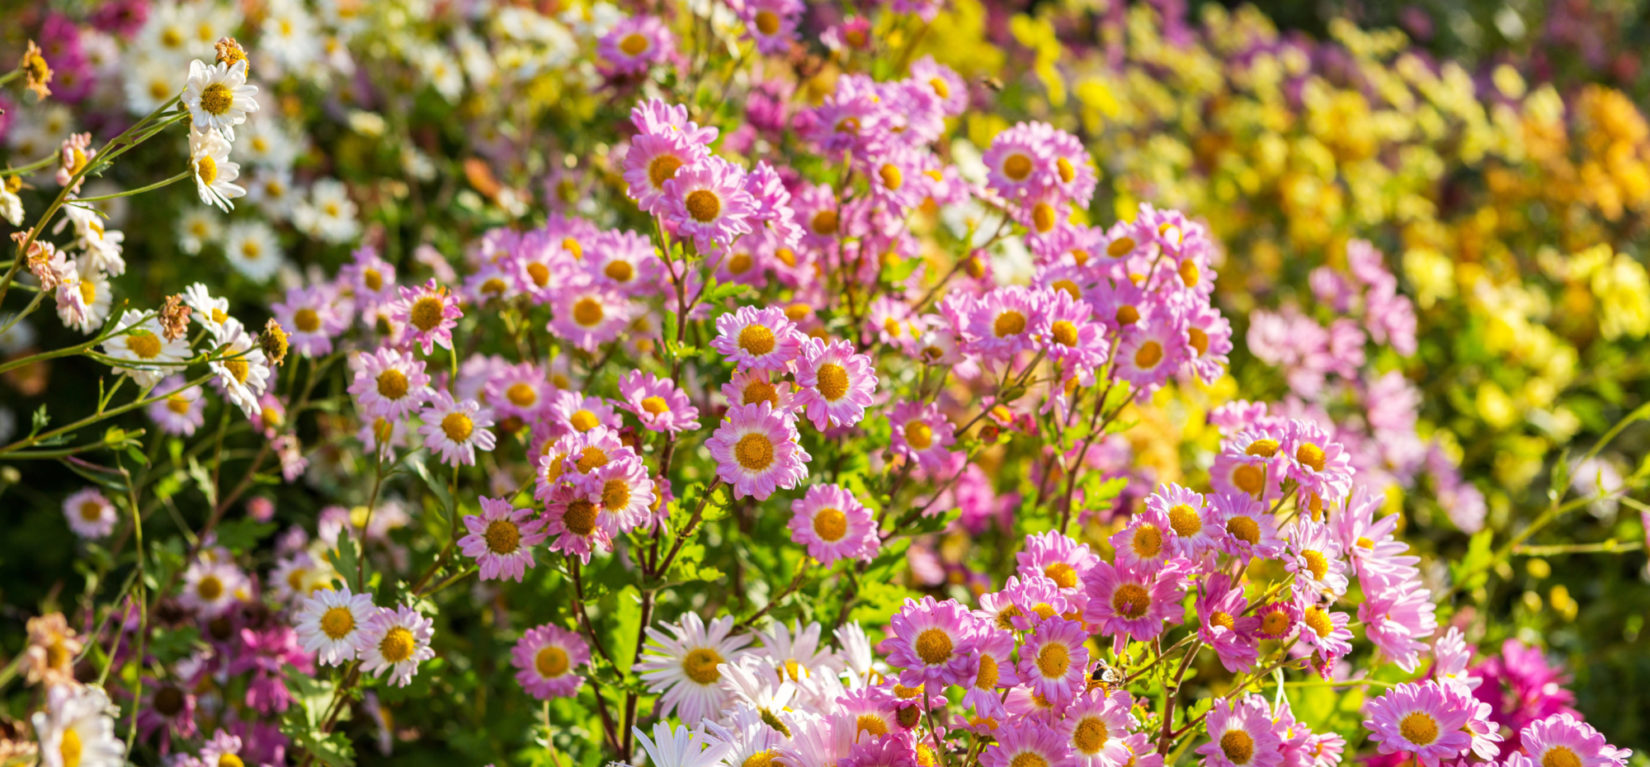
column 243, row 534
column 437, row 487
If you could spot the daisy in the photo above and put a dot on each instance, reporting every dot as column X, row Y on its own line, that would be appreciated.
column 573, row 521
column 1562, row 740
column 518, row 391
column 330, row 623
column 547, row 659
column 837, row 383
column 574, row 412
column 758, row 339
column 454, row 429
column 771, row 23
column 1054, row 661
column 218, row 97
column 389, row 383
column 214, row 173
column 251, row 247
column 327, row 213
column 299, row 575
column 211, row 313
column 922, row 433
column 310, row 319
column 994, row 648
column 197, row 228
column 1321, row 465
column 1151, row 351
column 1057, row 558
column 589, row 315
column 1191, row 524
column 683, row 666
column 211, row 588
column 833, row 525
column 242, row 369
column 398, row 639
column 143, row 342
column 685, row 747
column 795, row 653
column 747, row 387
column 1096, row 725
column 624, row 492
column 1241, row 735
column 933, row 642
column 758, row 450
column 657, row 403
column 1315, row 560
column 1419, row 719
column 90, row 515
column 1068, row 333
column 501, row 539
column 635, row 44
column 1027, row 742
column 707, row 202
column 999, row 324
column 1223, row 623
column 1249, row 530
column 652, row 160
column 1326, row 633
column 77, row 729
column 1144, row 541
column 222, row 749
column 430, row 313
column 1131, row 602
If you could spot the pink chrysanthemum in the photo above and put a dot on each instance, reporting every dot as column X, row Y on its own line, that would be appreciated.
column 1192, row 531
column 837, row 383
column 1130, row 602
column 1241, row 735
column 758, row 339
column 389, row 383
column 179, row 409
column 994, row 650
column 573, row 522
column 922, row 433
column 519, row 391
column 707, row 202
column 657, row 403
column 430, row 313
column 310, row 319
column 1315, row 560
column 454, row 430
column 635, row 44
column 771, row 23
column 589, row 315
column 758, row 450
column 1145, row 541
column 547, row 659
column 90, row 515
column 748, row 387
column 572, row 411
column 623, row 492
column 1245, row 527
column 933, row 642
column 1027, row 741
column 1058, row 558
column 1054, row 660
column 1316, row 461
column 501, row 539
column 654, row 159
column 1325, row 632
column 1095, row 725
column 397, row 639
column 1000, row 323
column 1069, row 334
column 833, row 525
column 1424, row 719
column 1563, row 740
column 1224, row 626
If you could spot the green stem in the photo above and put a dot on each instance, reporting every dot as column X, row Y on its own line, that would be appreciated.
column 95, row 417
column 139, row 190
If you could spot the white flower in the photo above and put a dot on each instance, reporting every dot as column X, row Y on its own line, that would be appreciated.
column 251, row 247
column 197, row 228
column 211, row 313
column 150, row 82
column 268, row 142
column 103, row 247
column 83, row 296
column 77, row 729
column 212, row 587
column 166, row 33
column 218, row 96
column 397, row 638
column 209, row 158
column 288, row 40
column 11, row 206
column 90, row 514
column 329, row 213
column 242, row 369
column 271, row 189
column 679, row 747
column 143, row 342
column 330, row 624
column 685, row 666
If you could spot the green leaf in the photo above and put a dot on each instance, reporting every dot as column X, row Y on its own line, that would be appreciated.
column 1472, row 569
column 437, row 487
column 626, row 626
column 347, row 560
column 243, row 534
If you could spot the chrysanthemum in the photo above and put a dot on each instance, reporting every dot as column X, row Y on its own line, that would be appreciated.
column 682, row 666
column 501, row 539
column 654, row 159
column 707, row 202
column 657, row 403
column 1315, row 560
column 771, row 23
column 994, row 650
column 1192, row 531
column 180, row 411
column 1054, row 660
column 1032, row 600
column 330, row 624
column 1095, row 725
column 1056, row 557
column 430, row 314
column 837, row 383
column 252, row 248
column 212, row 587
column 575, row 412
column 589, row 314
column 90, row 514
column 519, row 391
column 1144, row 541
column 1315, row 460
column 1000, row 323
column 758, row 450
column 398, row 639
column 1069, row 334
column 77, row 729
column 573, row 522
column 833, row 525
column 685, row 746
column 206, row 310
column 748, row 387
column 1241, row 735
column 1131, row 602
column 143, row 343
column 214, row 173
column 758, row 339
column 1223, row 624
column 1246, row 528
column 933, row 642
column 547, row 659
column 623, row 492
column 218, row 96
column 310, row 319
column 1027, row 742
column 1419, row 719
column 1152, row 349
column 389, row 383
column 635, row 44
column 454, row 430
column 922, row 433
column 1562, row 740
column 1325, row 632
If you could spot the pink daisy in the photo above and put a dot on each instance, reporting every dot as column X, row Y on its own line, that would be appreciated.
column 1224, row 626
column 758, row 339
column 837, row 383
column 310, row 319
column 1025, row 742
column 994, row 649
column 1095, row 725
column 573, row 520
column 1563, row 740
column 396, row 639
column 1130, row 602
column 90, row 515
column 748, row 387
column 933, row 642
column 589, row 315
column 635, row 44
column 1423, row 719
column 547, row 660
column 519, row 391
column 389, row 383
column 572, row 411
column 501, row 539
column 623, row 491
column 833, row 525
column 1245, row 527
column 454, row 430
column 430, row 314
column 1325, row 632
column 1241, row 735
column 657, row 403
column 1058, row 558
column 1315, row 560
column 1192, row 528
column 707, row 202
column 1054, row 660
column 922, row 433
column 654, row 159
column 758, row 450
column 1321, row 465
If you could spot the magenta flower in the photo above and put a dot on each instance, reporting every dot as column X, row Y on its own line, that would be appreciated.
column 1068, row 333
column 518, row 391
column 1563, row 739
column 572, row 411
column 1058, row 558
column 933, row 642
column 1027, row 741
column 758, row 339
column 1224, row 626
column 771, row 23
column 310, row 319
column 501, row 539
column 1096, row 725
column 1319, row 463
column 837, row 383
column 1192, row 525
column 623, row 492
column 1054, row 660
column 589, row 315
column 1425, row 719
column 1131, row 602
column 1000, row 322
column 635, row 44
column 547, row 659
column 1241, row 735
column 833, row 525
column 657, row 403
column 707, row 202
column 922, row 433
column 1325, row 633
column 572, row 521
column 1315, row 560
column 430, row 314
column 1246, row 528
column 758, row 450
column 994, row 649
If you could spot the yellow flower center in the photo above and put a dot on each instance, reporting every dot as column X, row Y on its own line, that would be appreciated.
column 1042, row 217
column 824, row 222
column 337, row 622
column 1147, row 541
column 832, row 381
column 1127, row 315
column 986, row 679
column 1244, row 529
column 703, row 205
column 457, row 426
column 502, row 536
column 700, row 665
column 1316, row 562
column 754, row 452
column 758, row 390
column 143, row 344
column 210, row 588
column 583, row 421
column 426, row 313
column 891, row 176
column 1053, row 659
column 1419, row 727
column 919, row 434
column 934, row 646
column 1249, row 478
column 616, row 494
column 655, row 405
column 392, row 384
column 230, row 760
column 1063, row 574
column 206, row 169
column 373, row 279
column 1319, row 621
column 1017, row 166
column 619, row 270
column 1223, row 620
column 757, row 340
column 1064, row 333
column 767, row 22
column 397, row 645
column 88, row 292
column 1148, row 355
column 1090, row 735
column 1067, row 172
column 1275, row 622
column 1028, row 759
column 1189, row 274
column 217, row 98
column 1185, row 521
column 830, row 525
column 870, row 723
column 91, row 511
column 1009, row 323
column 587, row 311
column 1311, row 455
column 69, row 747
column 239, row 369
column 580, row 518
column 1560, row 756
column 1199, row 340
column 1131, row 600
column 1237, row 746
column 634, row 44
column 551, row 661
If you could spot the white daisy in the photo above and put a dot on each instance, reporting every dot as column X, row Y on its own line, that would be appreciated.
column 197, row 228
column 251, row 248
column 756, row 688
column 685, row 666
column 84, row 297
column 331, row 624
column 211, row 313
column 90, row 514
column 166, row 33
column 77, row 729
column 288, row 40
column 11, row 206
column 268, row 142
column 218, row 96
column 211, row 586
column 396, row 638
column 214, row 173
column 150, row 82
column 103, row 247
column 271, row 189
column 300, row 575
column 243, row 371
column 329, row 213
column 143, row 342
column 683, row 747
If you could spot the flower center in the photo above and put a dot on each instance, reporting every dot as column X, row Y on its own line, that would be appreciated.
column 824, row 222
column 457, row 426
column 616, row 494
column 1319, row 621
column 919, row 434
column 934, row 646
column 216, row 99
column 891, row 176
column 397, row 644
column 832, row 381
column 580, row 517
column 761, row 758
column 551, row 661
column 1185, row 521
column 757, row 340
column 700, row 665
column 986, row 679
column 1311, row 455
column 754, row 452
column 169, row 701
column 210, row 588
column 337, row 622
column 374, row 279
column 1275, row 622
column 703, row 205
column 91, row 511
column 392, row 384
column 1017, row 167
column 583, row 421
column 307, row 320
column 1199, row 340
column 619, row 270
column 426, row 313
column 502, row 536
column 1560, row 756
column 870, row 723
column 1419, row 727
column 239, row 369
column 830, row 525
column 1223, row 620
column 1237, row 746
column 1064, row 333
column 1042, row 216
column 539, row 273
column 634, row 44
column 1028, row 759
column 1131, row 600
column 1053, row 660
column 88, row 292
column 1067, row 172
column 655, row 405
column 144, row 344
column 760, row 391
column 1090, row 735
column 206, row 169
column 230, row 760
column 1148, row 355
column 1147, row 542
column 1063, row 574
column 1244, row 529
column 1317, row 563
column 1009, row 323
column 590, row 459
column 1249, row 478
column 587, row 311
column 662, row 168
column 767, row 22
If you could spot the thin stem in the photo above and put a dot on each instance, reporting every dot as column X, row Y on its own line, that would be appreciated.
column 139, row 190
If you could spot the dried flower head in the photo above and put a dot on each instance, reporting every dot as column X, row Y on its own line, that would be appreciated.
column 230, row 51
column 37, row 74
column 174, row 318
column 274, row 342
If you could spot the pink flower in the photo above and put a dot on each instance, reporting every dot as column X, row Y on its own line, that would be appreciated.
column 1241, row 735
column 1563, row 739
column 589, row 314
column 994, row 649
column 430, row 314
column 501, row 539
column 389, row 383
column 1247, row 528
column 397, row 639
column 573, row 411
column 771, row 23
column 573, row 520
column 547, row 659
column 1000, row 322
column 1192, row 526
column 1315, row 561
column 657, row 403
column 635, row 44
column 1068, row 333
column 1096, row 726
column 1131, row 602
column 310, row 319
column 1321, row 466
column 1224, row 626
column 837, row 383
column 833, row 525
column 518, row 391
column 933, row 642
column 922, row 433
column 623, row 492
column 1057, row 558
column 1054, row 660
column 758, row 339
column 454, row 430
column 1425, row 719
column 1325, row 633
column 758, row 450
column 707, row 202
column 1027, row 741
